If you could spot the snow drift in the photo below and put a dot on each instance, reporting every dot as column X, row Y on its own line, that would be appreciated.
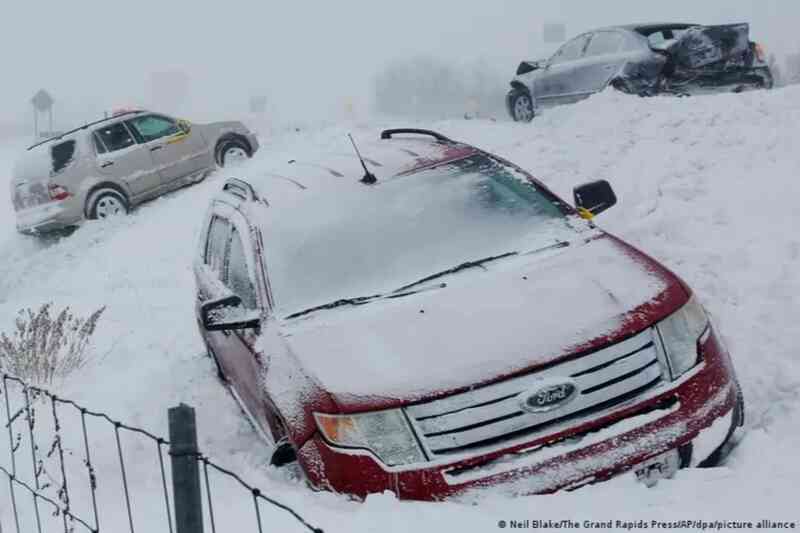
column 707, row 185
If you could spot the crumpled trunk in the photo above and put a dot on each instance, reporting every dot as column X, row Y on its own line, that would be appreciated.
column 713, row 58
column 712, row 47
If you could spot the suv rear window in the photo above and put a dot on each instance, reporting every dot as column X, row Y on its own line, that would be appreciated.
column 116, row 137
column 62, row 154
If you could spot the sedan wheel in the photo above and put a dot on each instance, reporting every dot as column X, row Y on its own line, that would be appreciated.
column 522, row 107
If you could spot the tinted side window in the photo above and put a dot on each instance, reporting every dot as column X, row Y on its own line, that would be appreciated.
column 571, row 51
column 604, row 42
column 98, row 144
column 238, row 279
column 116, row 137
column 152, row 127
column 216, row 245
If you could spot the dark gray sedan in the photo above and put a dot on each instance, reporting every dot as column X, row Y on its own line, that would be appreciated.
column 646, row 59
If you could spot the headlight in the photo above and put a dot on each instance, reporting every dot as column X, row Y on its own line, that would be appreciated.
column 680, row 333
column 385, row 433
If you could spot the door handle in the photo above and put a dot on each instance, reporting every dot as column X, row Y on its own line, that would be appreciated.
column 106, row 164
column 154, row 148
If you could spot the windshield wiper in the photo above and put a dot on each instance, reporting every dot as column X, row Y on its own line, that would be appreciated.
column 458, row 268
column 361, row 300
column 358, row 300
column 404, row 290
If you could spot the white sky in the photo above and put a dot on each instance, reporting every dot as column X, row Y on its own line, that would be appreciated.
column 306, row 56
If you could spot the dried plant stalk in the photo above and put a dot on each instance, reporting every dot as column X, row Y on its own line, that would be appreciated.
column 45, row 347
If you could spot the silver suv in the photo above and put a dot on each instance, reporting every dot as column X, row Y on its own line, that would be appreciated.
column 107, row 167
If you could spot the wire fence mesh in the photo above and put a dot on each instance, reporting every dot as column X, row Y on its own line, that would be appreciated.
column 68, row 468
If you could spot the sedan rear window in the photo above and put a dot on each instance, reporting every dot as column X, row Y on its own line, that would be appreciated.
column 605, row 42
column 663, row 38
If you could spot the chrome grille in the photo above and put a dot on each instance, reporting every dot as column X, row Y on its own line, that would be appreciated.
column 492, row 414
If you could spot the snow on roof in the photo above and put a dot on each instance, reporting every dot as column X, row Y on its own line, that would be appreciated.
column 340, row 166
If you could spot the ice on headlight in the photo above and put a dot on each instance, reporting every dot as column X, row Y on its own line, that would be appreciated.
column 680, row 333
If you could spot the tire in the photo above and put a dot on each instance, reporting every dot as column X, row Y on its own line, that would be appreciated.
column 721, row 453
column 283, row 454
column 520, row 104
column 232, row 148
column 106, row 203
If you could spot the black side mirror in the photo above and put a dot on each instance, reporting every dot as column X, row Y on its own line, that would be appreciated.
column 528, row 66
column 594, row 197
column 228, row 313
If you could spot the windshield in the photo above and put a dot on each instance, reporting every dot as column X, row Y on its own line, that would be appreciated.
column 378, row 238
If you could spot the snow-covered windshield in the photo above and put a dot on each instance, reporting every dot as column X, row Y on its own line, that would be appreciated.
column 377, row 238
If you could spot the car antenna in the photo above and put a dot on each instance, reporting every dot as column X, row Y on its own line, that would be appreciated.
column 369, row 178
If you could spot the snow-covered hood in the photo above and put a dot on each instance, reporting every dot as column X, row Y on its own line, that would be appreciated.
column 485, row 325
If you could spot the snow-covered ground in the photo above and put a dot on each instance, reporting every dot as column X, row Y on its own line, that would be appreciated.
column 707, row 185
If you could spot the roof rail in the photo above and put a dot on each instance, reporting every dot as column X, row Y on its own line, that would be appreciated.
column 90, row 124
column 240, row 189
column 387, row 134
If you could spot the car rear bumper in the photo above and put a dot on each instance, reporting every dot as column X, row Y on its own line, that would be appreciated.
column 694, row 412
column 51, row 216
column 734, row 80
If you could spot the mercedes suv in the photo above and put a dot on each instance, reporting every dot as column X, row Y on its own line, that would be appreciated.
column 107, row 167
column 447, row 323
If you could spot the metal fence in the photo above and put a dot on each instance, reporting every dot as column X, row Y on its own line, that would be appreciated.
column 72, row 469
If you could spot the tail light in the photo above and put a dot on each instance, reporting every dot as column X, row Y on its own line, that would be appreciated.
column 761, row 54
column 58, row 192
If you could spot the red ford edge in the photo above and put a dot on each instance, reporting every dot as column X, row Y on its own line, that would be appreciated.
column 446, row 323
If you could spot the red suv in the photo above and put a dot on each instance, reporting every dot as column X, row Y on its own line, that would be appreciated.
column 447, row 323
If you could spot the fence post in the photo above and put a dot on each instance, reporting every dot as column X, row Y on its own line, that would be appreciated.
column 185, row 470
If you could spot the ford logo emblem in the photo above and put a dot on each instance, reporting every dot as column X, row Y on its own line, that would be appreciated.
column 547, row 395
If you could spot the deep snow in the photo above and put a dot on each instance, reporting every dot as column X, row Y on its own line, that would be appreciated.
column 707, row 185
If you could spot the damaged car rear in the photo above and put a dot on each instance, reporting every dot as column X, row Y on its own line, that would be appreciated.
column 646, row 59
column 450, row 325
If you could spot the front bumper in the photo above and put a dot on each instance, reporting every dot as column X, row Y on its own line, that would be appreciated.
column 698, row 407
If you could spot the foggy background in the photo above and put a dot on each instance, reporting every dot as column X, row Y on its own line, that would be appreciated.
column 308, row 60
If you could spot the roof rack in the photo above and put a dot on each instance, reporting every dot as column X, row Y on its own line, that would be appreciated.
column 387, row 134
column 90, row 124
column 240, row 189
